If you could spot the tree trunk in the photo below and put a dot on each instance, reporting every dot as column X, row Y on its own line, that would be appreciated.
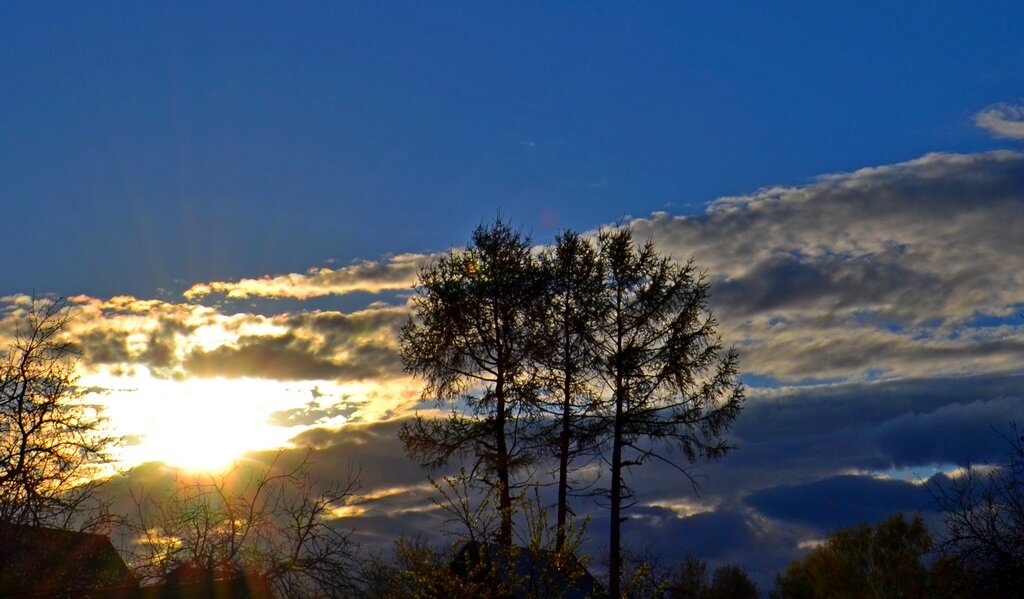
column 563, row 467
column 614, row 542
column 504, row 492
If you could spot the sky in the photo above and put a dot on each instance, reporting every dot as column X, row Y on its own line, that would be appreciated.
column 237, row 199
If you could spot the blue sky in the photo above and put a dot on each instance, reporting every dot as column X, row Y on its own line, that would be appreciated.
column 147, row 145
column 238, row 197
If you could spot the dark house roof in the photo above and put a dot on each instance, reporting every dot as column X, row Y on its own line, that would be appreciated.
column 527, row 574
column 44, row 562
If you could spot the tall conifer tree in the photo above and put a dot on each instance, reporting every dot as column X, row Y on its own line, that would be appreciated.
column 469, row 338
column 672, row 389
column 567, row 333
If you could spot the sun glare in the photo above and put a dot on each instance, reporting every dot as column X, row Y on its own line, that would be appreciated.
column 200, row 424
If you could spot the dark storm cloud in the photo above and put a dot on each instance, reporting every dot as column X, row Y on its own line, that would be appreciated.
column 724, row 536
column 824, row 410
column 373, row 446
column 841, row 501
column 104, row 346
column 830, row 352
column 394, row 488
column 785, row 480
column 367, row 323
column 793, row 281
column 957, row 433
column 796, row 435
column 111, row 346
column 671, row 534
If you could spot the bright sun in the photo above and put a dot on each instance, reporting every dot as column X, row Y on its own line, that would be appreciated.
column 206, row 423
column 198, row 424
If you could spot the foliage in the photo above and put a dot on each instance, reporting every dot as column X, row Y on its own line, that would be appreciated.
column 418, row 571
column 983, row 513
column 466, row 506
column 273, row 522
column 469, row 339
column 472, row 567
column 671, row 386
column 644, row 573
column 52, row 447
column 477, row 570
column 731, row 582
column 863, row 562
column 690, row 581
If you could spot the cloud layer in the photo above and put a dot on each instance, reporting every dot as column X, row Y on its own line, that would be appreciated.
column 896, row 271
column 877, row 314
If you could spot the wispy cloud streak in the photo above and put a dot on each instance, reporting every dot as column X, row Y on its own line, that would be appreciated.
column 399, row 272
column 1002, row 120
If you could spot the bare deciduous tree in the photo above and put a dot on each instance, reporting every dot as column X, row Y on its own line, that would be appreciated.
column 274, row 522
column 52, row 445
column 983, row 512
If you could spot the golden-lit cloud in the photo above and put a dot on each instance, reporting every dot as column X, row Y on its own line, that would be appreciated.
column 194, row 386
column 398, row 272
column 876, row 313
column 856, row 277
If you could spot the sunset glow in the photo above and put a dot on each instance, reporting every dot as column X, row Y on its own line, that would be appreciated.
column 239, row 212
column 198, row 423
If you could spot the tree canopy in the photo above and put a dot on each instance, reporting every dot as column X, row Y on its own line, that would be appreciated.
column 593, row 346
column 863, row 562
column 270, row 521
column 670, row 389
column 470, row 339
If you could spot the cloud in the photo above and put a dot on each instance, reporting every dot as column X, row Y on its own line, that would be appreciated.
column 956, row 433
column 726, row 536
column 177, row 340
column 1002, row 120
column 815, row 431
column 876, row 312
column 884, row 271
column 279, row 357
column 399, row 272
column 841, row 501
column 315, row 412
